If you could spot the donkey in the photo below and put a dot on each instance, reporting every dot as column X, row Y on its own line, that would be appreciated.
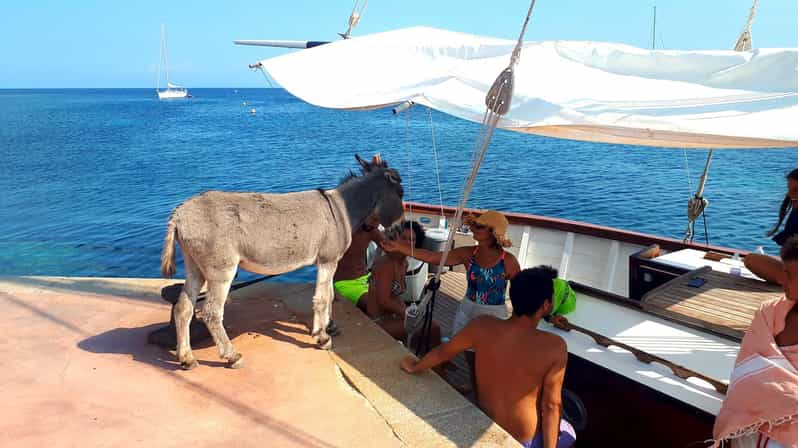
column 270, row 234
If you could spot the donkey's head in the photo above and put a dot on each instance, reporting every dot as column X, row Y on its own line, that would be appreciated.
column 387, row 185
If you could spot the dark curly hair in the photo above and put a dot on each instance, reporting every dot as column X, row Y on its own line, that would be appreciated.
column 419, row 235
column 786, row 205
column 531, row 288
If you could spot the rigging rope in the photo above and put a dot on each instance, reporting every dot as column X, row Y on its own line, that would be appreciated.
column 435, row 157
column 744, row 42
column 409, row 176
column 697, row 205
column 354, row 18
column 497, row 101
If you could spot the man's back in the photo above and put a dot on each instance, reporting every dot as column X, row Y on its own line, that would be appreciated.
column 512, row 365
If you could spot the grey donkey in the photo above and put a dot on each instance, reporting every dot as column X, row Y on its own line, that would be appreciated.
column 270, row 234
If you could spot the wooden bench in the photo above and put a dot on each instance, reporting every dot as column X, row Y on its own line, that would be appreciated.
column 723, row 304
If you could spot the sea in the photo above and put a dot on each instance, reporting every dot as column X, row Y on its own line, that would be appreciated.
column 88, row 177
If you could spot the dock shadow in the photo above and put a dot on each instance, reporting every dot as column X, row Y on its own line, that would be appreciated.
column 256, row 318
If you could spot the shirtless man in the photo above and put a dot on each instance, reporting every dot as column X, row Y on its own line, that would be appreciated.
column 351, row 276
column 519, row 369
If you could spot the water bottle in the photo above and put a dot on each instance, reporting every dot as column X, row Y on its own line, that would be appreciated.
column 411, row 315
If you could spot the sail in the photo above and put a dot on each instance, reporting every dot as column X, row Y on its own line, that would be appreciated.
column 581, row 90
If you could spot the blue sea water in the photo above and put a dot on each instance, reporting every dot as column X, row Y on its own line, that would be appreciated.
column 88, row 177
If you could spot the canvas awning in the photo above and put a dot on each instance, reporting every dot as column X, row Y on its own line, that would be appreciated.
column 590, row 91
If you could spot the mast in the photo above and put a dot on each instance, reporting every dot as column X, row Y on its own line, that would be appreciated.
column 160, row 59
column 165, row 53
column 654, row 30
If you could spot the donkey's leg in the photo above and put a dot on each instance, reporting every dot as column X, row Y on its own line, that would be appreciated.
column 184, row 311
column 322, row 304
column 213, row 316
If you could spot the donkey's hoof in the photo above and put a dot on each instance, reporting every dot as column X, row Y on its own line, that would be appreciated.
column 236, row 361
column 333, row 329
column 325, row 343
column 188, row 365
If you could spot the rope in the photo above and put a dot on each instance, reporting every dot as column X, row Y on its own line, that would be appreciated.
column 678, row 370
column 354, row 18
column 697, row 205
column 435, row 157
column 517, row 50
column 409, row 163
column 497, row 102
column 744, row 41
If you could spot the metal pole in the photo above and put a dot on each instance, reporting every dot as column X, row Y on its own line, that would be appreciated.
column 654, row 30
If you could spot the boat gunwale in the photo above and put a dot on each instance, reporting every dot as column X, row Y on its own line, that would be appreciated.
column 584, row 228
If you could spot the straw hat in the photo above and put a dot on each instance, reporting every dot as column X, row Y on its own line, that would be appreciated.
column 496, row 222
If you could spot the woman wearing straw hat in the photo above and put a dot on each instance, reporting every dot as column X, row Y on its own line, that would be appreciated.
column 488, row 266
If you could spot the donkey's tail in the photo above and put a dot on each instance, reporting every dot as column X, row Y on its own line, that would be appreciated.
column 168, row 253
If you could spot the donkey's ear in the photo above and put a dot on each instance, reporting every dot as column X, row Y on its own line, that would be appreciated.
column 378, row 162
column 393, row 177
column 364, row 166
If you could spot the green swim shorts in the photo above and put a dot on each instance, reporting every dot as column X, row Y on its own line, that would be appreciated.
column 353, row 289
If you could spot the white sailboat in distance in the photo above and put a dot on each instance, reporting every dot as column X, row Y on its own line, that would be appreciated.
column 173, row 91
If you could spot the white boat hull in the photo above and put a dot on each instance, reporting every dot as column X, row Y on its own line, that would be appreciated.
column 602, row 262
column 172, row 94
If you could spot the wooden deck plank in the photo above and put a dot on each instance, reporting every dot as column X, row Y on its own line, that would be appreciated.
column 724, row 304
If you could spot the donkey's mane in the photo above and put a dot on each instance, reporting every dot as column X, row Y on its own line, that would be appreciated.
column 348, row 178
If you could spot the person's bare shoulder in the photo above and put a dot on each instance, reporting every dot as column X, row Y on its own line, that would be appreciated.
column 554, row 344
column 513, row 267
column 484, row 323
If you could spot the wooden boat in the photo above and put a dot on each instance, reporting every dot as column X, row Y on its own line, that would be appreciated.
column 660, row 351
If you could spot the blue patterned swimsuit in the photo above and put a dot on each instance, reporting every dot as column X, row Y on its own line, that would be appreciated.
column 486, row 286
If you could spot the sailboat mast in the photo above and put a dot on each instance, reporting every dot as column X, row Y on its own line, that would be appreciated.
column 654, row 30
column 160, row 60
column 165, row 53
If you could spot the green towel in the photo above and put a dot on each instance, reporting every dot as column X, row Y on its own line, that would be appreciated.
column 564, row 298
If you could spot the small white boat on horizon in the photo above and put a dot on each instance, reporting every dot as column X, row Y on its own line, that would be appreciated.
column 173, row 91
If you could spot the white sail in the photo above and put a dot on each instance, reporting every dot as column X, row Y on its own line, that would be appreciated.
column 591, row 91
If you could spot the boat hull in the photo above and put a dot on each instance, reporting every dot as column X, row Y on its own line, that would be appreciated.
column 172, row 94
column 630, row 400
column 625, row 413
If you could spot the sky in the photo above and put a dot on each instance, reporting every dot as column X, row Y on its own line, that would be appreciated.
column 85, row 44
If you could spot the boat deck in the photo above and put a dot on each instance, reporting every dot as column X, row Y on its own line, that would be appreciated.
column 699, row 351
column 723, row 303
column 80, row 373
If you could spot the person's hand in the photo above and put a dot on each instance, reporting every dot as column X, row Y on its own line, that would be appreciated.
column 559, row 321
column 391, row 246
column 408, row 364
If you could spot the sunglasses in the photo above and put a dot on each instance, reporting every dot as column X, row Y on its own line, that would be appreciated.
column 477, row 226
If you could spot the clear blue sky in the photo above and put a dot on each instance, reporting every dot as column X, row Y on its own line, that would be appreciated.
column 88, row 43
